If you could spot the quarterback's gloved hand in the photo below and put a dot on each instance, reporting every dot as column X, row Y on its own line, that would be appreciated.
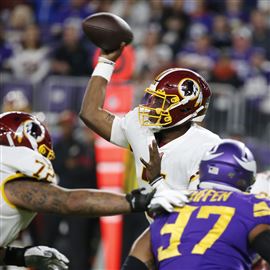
column 138, row 200
column 45, row 258
column 166, row 198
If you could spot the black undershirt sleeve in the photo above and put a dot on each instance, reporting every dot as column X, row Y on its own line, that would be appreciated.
column 132, row 263
column 15, row 256
column 261, row 244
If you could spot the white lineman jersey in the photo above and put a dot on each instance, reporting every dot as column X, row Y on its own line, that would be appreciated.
column 181, row 157
column 262, row 183
column 16, row 163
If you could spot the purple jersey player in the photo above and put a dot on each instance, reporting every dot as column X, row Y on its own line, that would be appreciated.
column 211, row 232
column 221, row 227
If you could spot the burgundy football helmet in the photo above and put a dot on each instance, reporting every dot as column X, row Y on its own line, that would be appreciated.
column 176, row 96
column 23, row 129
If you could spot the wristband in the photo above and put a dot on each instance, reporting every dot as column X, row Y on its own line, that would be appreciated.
column 15, row 256
column 156, row 180
column 104, row 68
column 105, row 60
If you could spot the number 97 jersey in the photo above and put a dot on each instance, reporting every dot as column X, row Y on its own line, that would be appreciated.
column 18, row 163
column 209, row 233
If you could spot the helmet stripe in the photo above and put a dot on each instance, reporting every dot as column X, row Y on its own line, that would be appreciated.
column 9, row 138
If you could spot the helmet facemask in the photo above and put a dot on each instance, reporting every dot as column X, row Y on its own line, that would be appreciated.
column 157, row 110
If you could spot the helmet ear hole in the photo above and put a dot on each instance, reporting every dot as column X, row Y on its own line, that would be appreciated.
column 185, row 110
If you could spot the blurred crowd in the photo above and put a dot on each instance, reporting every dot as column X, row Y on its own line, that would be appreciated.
column 227, row 41
column 224, row 40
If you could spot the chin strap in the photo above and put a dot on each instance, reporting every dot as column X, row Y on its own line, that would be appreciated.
column 189, row 117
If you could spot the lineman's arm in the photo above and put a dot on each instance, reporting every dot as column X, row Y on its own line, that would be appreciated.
column 92, row 112
column 44, row 197
column 259, row 239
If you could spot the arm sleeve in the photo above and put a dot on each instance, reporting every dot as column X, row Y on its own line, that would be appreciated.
column 118, row 134
column 261, row 244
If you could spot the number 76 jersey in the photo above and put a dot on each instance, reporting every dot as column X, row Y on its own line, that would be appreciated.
column 18, row 163
column 209, row 233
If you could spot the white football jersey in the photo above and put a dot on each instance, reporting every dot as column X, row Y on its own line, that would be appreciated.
column 181, row 157
column 18, row 162
column 262, row 183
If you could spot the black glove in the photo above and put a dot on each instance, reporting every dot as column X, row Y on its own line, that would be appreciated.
column 37, row 256
column 139, row 201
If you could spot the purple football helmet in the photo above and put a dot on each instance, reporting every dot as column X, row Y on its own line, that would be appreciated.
column 230, row 164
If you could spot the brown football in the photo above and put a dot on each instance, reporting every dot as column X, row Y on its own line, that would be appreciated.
column 107, row 31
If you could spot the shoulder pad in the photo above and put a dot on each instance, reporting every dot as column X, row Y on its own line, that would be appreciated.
column 28, row 162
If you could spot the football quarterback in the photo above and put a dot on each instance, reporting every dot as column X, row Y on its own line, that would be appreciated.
column 173, row 103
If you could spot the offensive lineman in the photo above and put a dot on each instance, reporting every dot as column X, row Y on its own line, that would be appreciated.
column 174, row 101
column 27, row 185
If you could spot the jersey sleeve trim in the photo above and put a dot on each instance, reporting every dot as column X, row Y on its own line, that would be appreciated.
column 194, row 177
column 261, row 209
column 2, row 187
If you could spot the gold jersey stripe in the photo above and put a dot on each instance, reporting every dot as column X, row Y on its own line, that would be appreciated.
column 2, row 187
